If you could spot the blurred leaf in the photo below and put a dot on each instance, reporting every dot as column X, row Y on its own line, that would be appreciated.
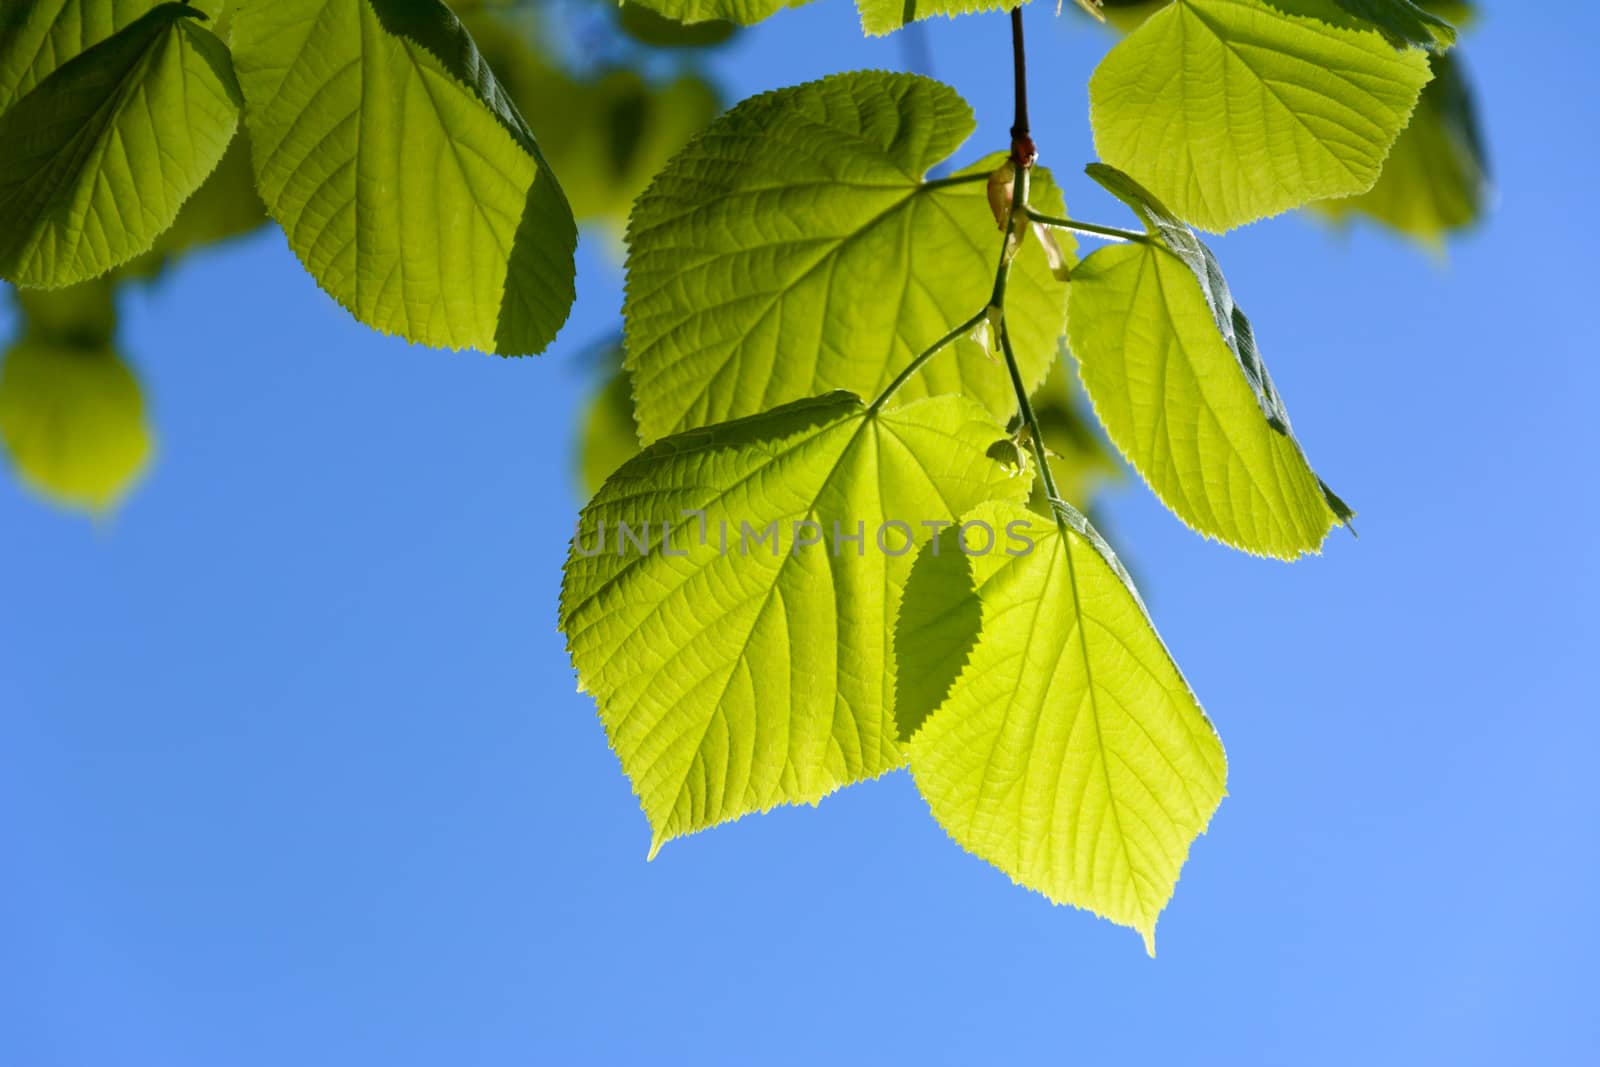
column 606, row 136
column 658, row 31
column 609, row 436
column 1436, row 179
column 1082, row 459
column 71, row 413
column 103, row 152
column 407, row 183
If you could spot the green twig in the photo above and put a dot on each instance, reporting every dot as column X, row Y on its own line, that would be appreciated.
column 1092, row 229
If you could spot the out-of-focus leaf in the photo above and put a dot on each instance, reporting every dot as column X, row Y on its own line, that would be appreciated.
column 658, row 31
column 1082, row 460
column 1436, row 179
column 609, row 134
column 71, row 413
column 609, row 436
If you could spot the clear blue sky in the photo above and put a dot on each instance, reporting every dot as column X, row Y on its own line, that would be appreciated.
column 292, row 769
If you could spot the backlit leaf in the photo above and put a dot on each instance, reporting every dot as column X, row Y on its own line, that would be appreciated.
column 406, row 180
column 795, row 247
column 103, row 152
column 743, row 673
column 37, row 36
column 1437, row 178
column 1171, row 365
column 1231, row 110
column 1069, row 750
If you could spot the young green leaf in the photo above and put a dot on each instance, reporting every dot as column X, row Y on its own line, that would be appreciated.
column 742, row 660
column 885, row 16
column 1437, row 178
column 406, row 180
column 1230, row 110
column 103, row 152
column 739, row 12
column 225, row 206
column 37, row 36
column 1069, row 750
column 795, row 247
column 1171, row 365
column 71, row 414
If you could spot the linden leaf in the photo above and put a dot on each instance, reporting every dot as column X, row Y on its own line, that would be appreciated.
column 406, row 180
column 1054, row 736
column 1231, row 111
column 795, row 247
column 739, row 649
column 1437, row 178
column 102, row 153
column 1171, row 366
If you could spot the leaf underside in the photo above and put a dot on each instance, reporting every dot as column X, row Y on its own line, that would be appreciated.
column 1230, row 111
column 732, row 680
column 406, row 180
column 1171, row 366
column 1068, row 751
column 795, row 248
column 103, row 152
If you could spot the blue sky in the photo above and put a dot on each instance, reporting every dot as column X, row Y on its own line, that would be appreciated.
column 293, row 770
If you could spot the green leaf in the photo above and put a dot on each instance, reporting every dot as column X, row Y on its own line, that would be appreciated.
column 406, row 180
column 1081, row 459
column 658, row 31
column 732, row 679
column 225, row 206
column 740, row 12
column 71, row 414
column 1069, row 750
column 1171, row 365
column 1437, row 178
column 37, row 36
column 104, row 151
column 613, row 130
column 1231, row 111
column 609, row 436
column 884, row 16
column 795, row 247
